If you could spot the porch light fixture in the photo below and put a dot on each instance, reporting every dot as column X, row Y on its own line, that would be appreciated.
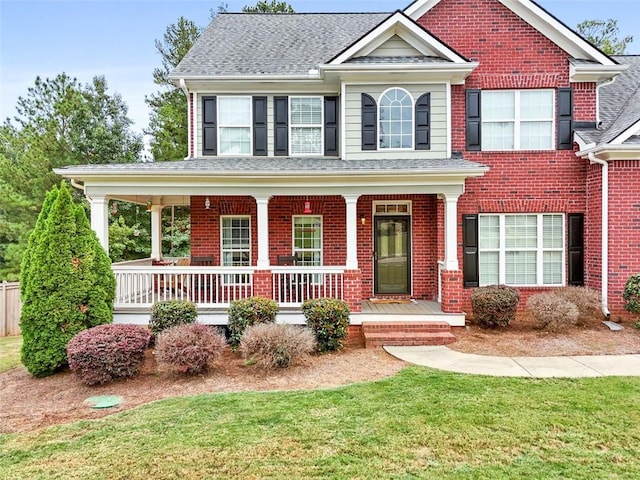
column 207, row 203
column 114, row 209
column 363, row 220
column 149, row 205
column 307, row 206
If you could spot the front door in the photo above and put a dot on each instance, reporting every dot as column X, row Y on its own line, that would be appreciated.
column 392, row 245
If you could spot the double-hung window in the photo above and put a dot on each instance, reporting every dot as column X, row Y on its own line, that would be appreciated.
column 306, row 125
column 521, row 249
column 517, row 119
column 396, row 119
column 234, row 125
column 307, row 240
column 236, row 245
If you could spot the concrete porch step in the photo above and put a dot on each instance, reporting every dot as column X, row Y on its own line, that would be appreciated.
column 378, row 334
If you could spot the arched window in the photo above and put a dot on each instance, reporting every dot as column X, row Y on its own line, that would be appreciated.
column 396, row 119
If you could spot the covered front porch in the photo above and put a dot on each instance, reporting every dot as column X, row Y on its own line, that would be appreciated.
column 247, row 214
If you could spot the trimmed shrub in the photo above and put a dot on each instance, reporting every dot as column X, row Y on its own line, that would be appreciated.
column 631, row 294
column 108, row 352
column 277, row 346
column 191, row 348
column 328, row 318
column 68, row 284
column 552, row 311
column 586, row 300
column 171, row 313
column 495, row 305
column 247, row 312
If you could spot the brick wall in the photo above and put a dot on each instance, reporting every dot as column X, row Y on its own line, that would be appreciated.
column 512, row 55
column 427, row 221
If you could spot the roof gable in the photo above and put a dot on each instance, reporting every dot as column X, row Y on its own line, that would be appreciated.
column 399, row 26
column 396, row 46
column 541, row 20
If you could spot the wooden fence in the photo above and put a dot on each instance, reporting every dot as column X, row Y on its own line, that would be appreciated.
column 9, row 309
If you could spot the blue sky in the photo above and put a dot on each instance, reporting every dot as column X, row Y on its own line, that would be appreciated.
column 115, row 38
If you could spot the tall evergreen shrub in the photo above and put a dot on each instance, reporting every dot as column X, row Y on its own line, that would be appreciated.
column 68, row 286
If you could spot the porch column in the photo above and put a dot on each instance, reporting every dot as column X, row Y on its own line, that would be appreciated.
column 156, row 231
column 262, row 215
column 352, row 231
column 451, row 231
column 100, row 220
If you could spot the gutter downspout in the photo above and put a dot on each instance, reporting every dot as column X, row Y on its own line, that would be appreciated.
column 77, row 185
column 605, row 232
column 185, row 90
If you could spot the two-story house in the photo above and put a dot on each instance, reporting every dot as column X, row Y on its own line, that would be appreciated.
column 409, row 156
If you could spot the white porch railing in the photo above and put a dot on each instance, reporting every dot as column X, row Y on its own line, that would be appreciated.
column 142, row 286
column 293, row 285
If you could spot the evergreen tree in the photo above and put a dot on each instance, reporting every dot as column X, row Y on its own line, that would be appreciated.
column 69, row 285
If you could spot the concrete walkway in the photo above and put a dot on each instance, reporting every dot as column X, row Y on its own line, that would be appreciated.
column 443, row 358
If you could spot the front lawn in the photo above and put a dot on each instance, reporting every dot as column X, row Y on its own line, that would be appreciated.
column 418, row 424
column 9, row 353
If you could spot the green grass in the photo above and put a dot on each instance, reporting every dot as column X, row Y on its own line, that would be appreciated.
column 418, row 424
column 9, row 352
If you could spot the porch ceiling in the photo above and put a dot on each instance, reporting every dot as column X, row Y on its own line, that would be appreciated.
column 275, row 176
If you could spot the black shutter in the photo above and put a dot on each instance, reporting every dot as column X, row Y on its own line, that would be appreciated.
column 369, row 122
column 565, row 119
column 260, row 126
column 331, row 126
column 473, row 120
column 281, row 121
column 576, row 248
column 470, row 250
column 209, row 127
column 423, row 114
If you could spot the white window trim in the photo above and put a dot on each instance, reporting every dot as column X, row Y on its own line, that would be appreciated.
column 539, row 248
column 377, row 203
column 233, row 279
column 413, row 122
column 517, row 121
column 220, row 125
column 291, row 126
column 293, row 236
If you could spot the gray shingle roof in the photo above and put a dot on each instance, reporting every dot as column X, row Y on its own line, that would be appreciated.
column 279, row 165
column 619, row 103
column 273, row 44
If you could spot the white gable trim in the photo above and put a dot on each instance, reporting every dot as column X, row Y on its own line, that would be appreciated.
column 624, row 136
column 398, row 24
column 539, row 19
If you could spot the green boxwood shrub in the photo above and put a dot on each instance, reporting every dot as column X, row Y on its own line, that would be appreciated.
column 170, row 313
column 246, row 312
column 495, row 305
column 277, row 346
column 328, row 318
column 631, row 294
column 108, row 352
column 189, row 349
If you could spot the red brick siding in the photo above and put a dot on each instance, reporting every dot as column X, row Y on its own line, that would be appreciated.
column 624, row 228
column 427, row 234
column 593, row 227
column 512, row 55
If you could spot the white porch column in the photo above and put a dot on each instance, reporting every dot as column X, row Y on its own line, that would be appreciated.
column 451, row 231
column 100, row 220
column 156, row 231
column 262, row 215
column 352, row 231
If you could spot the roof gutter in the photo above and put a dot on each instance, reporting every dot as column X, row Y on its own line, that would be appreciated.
column 605, row 232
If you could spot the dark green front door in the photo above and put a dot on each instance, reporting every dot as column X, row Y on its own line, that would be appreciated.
column 392, row 245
